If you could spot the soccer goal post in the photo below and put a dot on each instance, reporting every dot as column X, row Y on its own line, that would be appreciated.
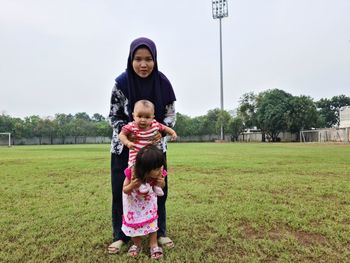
column 8, row 135
column 310, row 136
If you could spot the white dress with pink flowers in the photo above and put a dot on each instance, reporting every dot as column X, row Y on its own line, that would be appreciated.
column 139, row 212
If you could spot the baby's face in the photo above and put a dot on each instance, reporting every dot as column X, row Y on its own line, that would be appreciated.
column 143, row 116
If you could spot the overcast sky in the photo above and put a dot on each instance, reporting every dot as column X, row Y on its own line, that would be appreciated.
column 62, row 56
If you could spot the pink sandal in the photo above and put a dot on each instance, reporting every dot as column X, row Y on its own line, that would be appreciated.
column 134, row 251
column 156, row 252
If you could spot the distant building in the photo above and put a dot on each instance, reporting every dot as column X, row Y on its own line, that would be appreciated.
column 344, row 117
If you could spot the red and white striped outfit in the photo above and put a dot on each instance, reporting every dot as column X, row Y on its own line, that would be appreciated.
column 143, row 137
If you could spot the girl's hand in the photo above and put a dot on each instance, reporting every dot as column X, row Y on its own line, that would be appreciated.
column 135, row 182
column 160, row 181
column 130, row 185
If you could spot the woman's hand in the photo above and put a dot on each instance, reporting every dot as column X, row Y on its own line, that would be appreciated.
column 130, row 145
column 157, row 138
column 131, row 137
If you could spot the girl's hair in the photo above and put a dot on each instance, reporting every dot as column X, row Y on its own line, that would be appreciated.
column 148, row 159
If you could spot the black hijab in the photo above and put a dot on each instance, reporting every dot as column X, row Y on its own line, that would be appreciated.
column 155, row 88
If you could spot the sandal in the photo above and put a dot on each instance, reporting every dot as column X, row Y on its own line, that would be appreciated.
column 156, row 252
column 115, row 247
column 166, row 242
column 134, row 251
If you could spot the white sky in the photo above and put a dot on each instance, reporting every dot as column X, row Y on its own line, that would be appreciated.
column 61, row 56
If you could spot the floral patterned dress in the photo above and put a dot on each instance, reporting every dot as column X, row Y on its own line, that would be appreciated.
column 139, row 211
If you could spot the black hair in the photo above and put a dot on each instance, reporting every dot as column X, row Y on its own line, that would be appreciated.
column 148, row 159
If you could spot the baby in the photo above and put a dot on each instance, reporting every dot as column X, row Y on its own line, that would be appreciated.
column 144, row 130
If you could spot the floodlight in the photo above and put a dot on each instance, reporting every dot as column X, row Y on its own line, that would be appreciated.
column 220, row 10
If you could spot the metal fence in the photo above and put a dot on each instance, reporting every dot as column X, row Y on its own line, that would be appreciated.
column 61, row 140
column 321, row 135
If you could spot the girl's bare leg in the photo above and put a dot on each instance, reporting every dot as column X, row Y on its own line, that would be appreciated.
column 153, row 240
column 137, row 242
column 156, row 251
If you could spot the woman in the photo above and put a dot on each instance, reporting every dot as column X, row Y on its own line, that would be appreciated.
column 141, row 80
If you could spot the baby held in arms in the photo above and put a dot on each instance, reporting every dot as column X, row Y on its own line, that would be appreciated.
column 143, row 131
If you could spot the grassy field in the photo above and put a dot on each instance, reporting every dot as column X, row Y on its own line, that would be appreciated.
column 227, row 203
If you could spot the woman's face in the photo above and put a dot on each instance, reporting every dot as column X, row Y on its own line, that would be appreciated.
column 142, row 62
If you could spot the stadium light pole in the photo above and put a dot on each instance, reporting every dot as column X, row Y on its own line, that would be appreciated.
column 220, row 10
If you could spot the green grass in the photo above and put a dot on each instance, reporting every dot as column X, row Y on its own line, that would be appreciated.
column 227, row 203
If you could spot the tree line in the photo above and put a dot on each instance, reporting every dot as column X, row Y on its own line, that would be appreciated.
column 60, row 126
column 272, row 111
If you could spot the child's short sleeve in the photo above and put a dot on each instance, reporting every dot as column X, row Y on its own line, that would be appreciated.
column 161, row 127
column 128, row 173
column 127, row 129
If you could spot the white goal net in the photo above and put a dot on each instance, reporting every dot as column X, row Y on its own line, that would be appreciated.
column 325, row 135
column 5, row 139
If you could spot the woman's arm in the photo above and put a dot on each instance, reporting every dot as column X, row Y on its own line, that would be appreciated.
column 170, row 115
column 118, row 115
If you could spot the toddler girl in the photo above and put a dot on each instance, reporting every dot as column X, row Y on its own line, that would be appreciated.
column 140, row 210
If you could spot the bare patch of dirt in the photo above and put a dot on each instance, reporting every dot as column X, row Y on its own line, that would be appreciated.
column 307, row 238
column 251, row 233
column 276, row 234
column 282, row 232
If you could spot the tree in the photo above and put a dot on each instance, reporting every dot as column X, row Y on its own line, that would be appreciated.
column 18, row 128
column 6, row 124
column 182, row 125
column 272, row 112
column 235, row 127
column 63, row 125
column 98, row 117
column 198, row 126
column 302, row 114
column 329, row 109
column 31, row 125
column 45, row 128
column 202, row 125
column 81, row 127
column 82, row 116
column 211, row 121
column 103, row 129
column 225, row 118
column 247, row 109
